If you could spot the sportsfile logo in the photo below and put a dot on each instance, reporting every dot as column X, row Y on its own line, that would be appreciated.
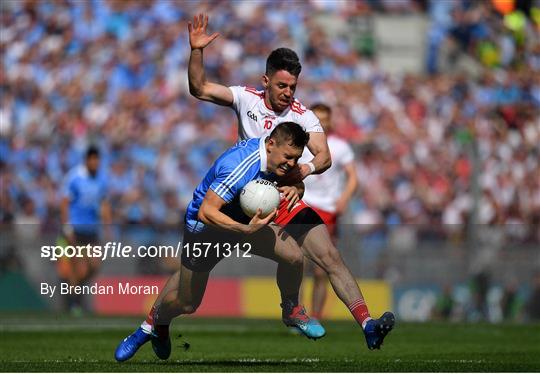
column 119, row 250
column 109, row 250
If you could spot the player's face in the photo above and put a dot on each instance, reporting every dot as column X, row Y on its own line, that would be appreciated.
column 92, row 164
column 324, row 117
column 279, row 89
column 282, row 157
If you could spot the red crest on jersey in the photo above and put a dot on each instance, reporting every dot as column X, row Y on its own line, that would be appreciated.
column 254, row 91
column 297, row 107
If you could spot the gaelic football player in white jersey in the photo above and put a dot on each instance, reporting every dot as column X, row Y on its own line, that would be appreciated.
column 329, row 195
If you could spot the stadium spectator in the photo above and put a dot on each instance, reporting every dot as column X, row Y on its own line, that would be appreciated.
column 533, row 304
column 510, row 301
column 443, row 308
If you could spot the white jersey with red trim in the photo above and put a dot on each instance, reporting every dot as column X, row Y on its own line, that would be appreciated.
column 255, row 119
column 323, row 190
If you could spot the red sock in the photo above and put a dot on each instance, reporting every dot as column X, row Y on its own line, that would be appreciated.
column 150, row 317
column 359, row 311
column 148, row 323
column 162, row 331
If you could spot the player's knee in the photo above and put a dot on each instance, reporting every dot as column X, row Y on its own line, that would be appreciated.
column 296, row 258
column 292, row 256
column 293, row 261
column 188, row 308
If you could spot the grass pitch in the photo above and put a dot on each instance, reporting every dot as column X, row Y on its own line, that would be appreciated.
column 62, row 344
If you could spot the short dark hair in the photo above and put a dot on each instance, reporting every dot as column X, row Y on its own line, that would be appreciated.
column 92, row 151
column 290, row 132
column 321, row 107
column 283, row 59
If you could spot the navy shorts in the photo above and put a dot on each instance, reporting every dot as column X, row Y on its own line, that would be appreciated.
column 202, row 251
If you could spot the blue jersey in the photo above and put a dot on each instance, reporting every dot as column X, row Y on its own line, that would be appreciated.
column 244, row 162
column 85, row 194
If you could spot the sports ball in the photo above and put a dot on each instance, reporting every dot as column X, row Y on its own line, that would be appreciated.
column 259, row 193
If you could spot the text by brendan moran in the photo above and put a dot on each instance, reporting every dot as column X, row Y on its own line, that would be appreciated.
column 122, row 288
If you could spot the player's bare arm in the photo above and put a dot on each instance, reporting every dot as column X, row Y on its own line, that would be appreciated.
column 106, row 218
column 210, row 214
column 67, row 228
column 198, row 85
column 322, row 160
column 350, row 187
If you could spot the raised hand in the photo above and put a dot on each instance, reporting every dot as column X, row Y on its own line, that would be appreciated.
column 198, row 38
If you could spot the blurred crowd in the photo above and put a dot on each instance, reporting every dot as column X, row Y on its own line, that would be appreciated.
column 479, row 299
column 457, row 144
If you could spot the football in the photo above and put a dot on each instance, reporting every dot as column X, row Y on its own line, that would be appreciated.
column 259, row 193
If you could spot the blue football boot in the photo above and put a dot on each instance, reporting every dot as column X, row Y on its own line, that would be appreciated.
column 295, row 316
column 376, row 330
column 161, row 341
column 129, row 346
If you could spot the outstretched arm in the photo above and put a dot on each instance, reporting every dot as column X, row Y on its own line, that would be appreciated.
column 198, row 85
column 350, row 187
column 67, row 228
